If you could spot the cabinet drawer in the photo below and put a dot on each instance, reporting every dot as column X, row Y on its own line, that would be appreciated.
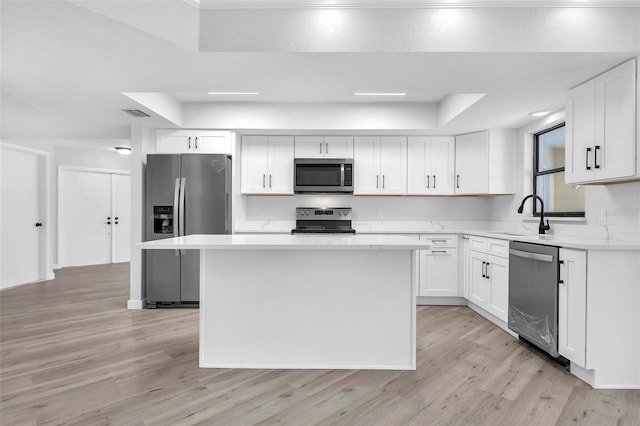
column 440, row 240
column 498, row 247
column 477, row 243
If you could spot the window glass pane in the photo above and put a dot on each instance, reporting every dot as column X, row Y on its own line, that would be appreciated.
column 551, row 149
column 557, row 196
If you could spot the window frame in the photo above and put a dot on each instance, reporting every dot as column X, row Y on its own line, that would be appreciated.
column 536, row 173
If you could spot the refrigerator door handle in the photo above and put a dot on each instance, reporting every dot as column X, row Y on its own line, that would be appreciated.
column 183, row 188
column 176, row 210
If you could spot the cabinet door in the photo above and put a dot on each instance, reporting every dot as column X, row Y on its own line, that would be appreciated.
column 497, row 272
column 439, row 273
column 366, row 164
column 418, row 176
column 280, row 167
column 572, row 303
column 309, row 147
column 393, row 165
column 254, row 164
column 442, row 160
column 338, row 147
column 478, row 283
column 212, row 142
column 472, row 163
column 174, row 141
column 614, row 151
column 580, row 133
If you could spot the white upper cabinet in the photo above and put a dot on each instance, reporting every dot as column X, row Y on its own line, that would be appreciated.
column 267, row 165
column 324, row 147
column 193, row 141
column 380, row 165
column 601, row 140
column 485, row 162
column 430, row 165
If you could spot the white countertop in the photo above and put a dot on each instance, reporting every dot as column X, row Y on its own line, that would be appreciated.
column 565, row 241
column 284, row 242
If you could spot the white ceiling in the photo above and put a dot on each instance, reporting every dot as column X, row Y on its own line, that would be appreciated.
column 65, row 67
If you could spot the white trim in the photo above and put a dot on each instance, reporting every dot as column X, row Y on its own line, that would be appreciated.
column 310, row 367
column 441, row 301
column 93, row 170
column 404, row 4
column 136, row 303
column 45, row 269
column 22, row 148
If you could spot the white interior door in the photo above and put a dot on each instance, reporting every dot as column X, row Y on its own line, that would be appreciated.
column 22, row 242
column 121, row 207
column 85, row 218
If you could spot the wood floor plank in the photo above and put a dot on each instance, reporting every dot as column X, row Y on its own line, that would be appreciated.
column 71, row 353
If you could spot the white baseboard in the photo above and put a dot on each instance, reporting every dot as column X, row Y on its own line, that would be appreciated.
column 587, row 376
column 136, row 304
column 56, row 266
column 444, row 301
column 50, row 276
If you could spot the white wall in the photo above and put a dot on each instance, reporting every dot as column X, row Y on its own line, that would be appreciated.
column 621, row 202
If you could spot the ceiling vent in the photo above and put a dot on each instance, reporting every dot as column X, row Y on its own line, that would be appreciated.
column 136, row 113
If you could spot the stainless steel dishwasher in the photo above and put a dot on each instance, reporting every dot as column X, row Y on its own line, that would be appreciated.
column 534, row 274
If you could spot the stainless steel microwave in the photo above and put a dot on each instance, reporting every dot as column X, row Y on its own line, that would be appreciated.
column 317, row 175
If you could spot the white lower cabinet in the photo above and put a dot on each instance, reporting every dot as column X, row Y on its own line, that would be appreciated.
column 572, row 303
column 439, row 267
column 488, row 275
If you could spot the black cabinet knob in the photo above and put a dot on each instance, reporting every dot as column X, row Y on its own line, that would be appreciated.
column 38, row 224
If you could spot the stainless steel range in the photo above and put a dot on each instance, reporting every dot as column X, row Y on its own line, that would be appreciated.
column 323, row 220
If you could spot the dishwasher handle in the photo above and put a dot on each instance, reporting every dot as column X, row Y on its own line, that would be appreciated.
column 532, row 256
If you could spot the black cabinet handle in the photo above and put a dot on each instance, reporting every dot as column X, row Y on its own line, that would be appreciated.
column 434, row 181
column 484, row 275
column 487, row 271
column 196, row 142
column 458, row 181
column 588, row 167
column 189, row 142
column 595, row 157
column 38, row 224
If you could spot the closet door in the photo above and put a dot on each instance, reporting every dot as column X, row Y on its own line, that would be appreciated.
column 85, row 218
column 93, row 217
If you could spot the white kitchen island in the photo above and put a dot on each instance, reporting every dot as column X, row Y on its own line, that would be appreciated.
column 305, row 301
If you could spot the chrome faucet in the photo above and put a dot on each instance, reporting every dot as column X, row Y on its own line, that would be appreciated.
column 542, row 228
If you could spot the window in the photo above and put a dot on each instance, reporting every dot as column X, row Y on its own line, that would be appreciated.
column 548, row 176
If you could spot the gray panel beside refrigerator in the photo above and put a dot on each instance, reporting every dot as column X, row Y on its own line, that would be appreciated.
column 186, row 194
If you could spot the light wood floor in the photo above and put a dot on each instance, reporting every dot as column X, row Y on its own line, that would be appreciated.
column 72, row 354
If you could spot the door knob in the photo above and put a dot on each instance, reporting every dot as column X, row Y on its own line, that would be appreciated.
column 38, row 224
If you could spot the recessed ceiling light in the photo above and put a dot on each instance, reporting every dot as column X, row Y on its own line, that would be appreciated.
column 234, row 93
column 380, row 94
column 539, row 113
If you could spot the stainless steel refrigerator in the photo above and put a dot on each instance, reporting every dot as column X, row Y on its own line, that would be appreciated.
column 186, row 194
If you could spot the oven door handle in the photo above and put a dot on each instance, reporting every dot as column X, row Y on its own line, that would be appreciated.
column 532, row 256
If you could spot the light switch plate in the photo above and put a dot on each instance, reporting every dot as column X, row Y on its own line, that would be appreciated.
column 602, row 217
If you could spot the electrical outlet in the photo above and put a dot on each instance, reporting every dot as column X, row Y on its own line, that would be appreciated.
column 602, row 217
column 380, row 214
column 265, row 214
